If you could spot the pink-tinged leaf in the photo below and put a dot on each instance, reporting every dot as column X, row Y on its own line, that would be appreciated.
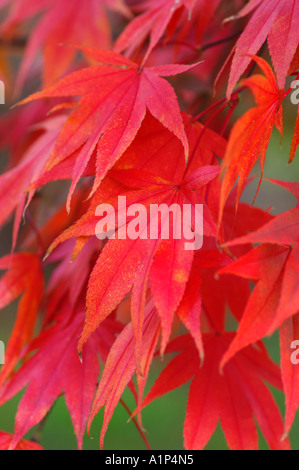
column 283, row 39
column 153, row 22
column 55, row 368
column 25, row 275
column 14, row 183
column 277, row 20
column 59, row 25
column 201, row 177
column 120, row 368
column 125, row 93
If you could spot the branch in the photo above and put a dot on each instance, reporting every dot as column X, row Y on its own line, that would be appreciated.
column 18, row 43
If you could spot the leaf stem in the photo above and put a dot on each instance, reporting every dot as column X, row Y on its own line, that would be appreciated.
column 17, row 42
column 221, row 41
column 136, row 424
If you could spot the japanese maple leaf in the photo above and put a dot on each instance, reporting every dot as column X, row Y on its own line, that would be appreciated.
column 5, row 440
column 83, row 22
column 18, row 128
column 236, row 397
column 276, row 296
column 115, row 97
column 295, row 140
column 24, row 276
column 15, row 182
column 140, row 186
column 251, row 134
column 121, row 366
column 56, row 368
column 67, row 286
column 289, row 332
column 153, row 22
column 123, row 259
column 163, row 158
column 265, row 264
column 132, row 262
column 222, row 293
column 292, row 187
column 276, row 19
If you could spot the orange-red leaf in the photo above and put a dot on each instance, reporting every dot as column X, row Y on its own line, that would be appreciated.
column 24, row 276
column 251, row 134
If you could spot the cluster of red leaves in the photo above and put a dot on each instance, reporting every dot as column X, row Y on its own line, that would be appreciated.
column 113, row 125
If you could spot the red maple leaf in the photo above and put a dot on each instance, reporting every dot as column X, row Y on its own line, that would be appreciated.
column 234, row 397
column 251, row 134
column 83, row 22
column 5, row 440
column 276, row 296
column 125, row 91
column 24, row 276
column 129, row 263
column 56, row 368
column 275, row 19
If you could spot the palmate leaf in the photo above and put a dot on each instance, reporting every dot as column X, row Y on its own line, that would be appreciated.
column 121, row 261
column 158, row 17
column 276, row 19
column 124, row 264
column 15, row 182
column 234, row 398
column 251, row 134
column 61, row 24
column 115, row 97
column 275, row 297
column 24, row 276
column 56, row 368
column 290, row 375
column 265, row 263
column 121, row 366
column 116, row 129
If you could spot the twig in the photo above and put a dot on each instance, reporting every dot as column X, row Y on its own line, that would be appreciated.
column 221, row 41
column 18, row 43
column 136, row 424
